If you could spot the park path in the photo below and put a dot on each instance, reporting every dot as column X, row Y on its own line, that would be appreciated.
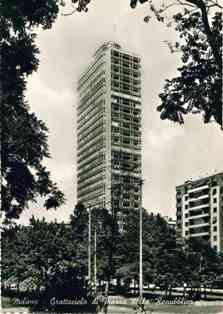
column 15, row 310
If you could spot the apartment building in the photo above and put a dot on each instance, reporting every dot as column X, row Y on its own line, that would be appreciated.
column 109, row 130
column 200, row 210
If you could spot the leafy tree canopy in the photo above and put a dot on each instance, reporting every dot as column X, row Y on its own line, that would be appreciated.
column 198, row 88
column 24, row 136
column 45, row 255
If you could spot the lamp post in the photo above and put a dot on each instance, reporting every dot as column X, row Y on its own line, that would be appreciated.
column 95, row 260
column 89, row 248
column 140, row 245
column 89, row 244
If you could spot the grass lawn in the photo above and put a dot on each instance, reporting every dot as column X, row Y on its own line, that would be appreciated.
column 8, row 305
column 6, row 302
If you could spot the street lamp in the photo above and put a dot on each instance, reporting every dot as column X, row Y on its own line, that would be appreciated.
column 95, row 259
column 140, row 245
column 89, row 244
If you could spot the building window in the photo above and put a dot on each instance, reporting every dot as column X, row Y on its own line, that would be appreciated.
column 215, row 200
column 215, row 238
column 215, row 228
column 214, row 191
column 215, row 210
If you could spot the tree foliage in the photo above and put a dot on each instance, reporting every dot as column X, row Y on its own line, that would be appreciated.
column 43, row 257
column 158, row 243
column 166, row 263
column 198, row 87
column 53, row 257
column 105, row 229
column 24, row 136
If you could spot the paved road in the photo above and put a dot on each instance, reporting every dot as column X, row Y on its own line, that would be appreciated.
column 15, row 310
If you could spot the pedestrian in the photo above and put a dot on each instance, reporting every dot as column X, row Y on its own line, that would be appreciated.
column 100, row 303
column 106, row 303
column 141, row 305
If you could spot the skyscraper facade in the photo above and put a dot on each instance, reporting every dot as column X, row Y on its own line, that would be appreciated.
column 200, row 210
column 109, row 130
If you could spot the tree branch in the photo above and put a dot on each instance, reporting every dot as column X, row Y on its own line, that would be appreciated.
column 184, row 3
column 211, row 39
column 215, row 4
column 68, row 14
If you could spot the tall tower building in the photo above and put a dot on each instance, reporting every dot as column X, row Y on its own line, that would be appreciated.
column 200, row 210
column 109, row 130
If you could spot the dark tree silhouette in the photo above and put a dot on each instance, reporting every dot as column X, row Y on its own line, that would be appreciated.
column 24, row 136
column 198, row 88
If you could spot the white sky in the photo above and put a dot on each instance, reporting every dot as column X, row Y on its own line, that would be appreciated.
column 171, row 153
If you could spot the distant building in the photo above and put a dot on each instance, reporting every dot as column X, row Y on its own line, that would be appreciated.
column 109, row 130
column 200, row 210
column 171, row 222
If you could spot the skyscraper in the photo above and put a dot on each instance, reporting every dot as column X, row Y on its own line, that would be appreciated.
column 109, row 130
column 200, row 210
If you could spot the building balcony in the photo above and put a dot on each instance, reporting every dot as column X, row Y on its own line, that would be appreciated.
column 200, row 229
column 196, row 198
column 201, row 234
column 198, row 206
column 204, row 224
column 199, row 216
column 205, row 186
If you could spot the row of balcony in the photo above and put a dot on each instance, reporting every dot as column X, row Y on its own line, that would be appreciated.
column 96, row 76
column 92, row 102
column 116, row 53
column 125, row 64
column 99, row 185
column 94, row 120
column 90, row 73
column 91, row 108
column 89, row 151
column 117, row 108
column 91, row 138
column 85, row 162
column 132, row 72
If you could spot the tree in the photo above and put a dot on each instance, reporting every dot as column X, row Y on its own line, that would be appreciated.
column 199, row 84
column 23, row 135
column 198, row 88
column 204, row 264
column 44, row 254
column 158, row 250
column 106, row 229
column 79, row 228
column 105, row 226
column 9, row 255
